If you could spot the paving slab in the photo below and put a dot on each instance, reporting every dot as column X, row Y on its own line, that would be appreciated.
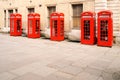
column 93, row 71
column 23, row 58
column 85, row 76
column 60, row 64
column 7, row 76
column 73, row 70
column 29, row 76
column 100, row 64
column 60, row 75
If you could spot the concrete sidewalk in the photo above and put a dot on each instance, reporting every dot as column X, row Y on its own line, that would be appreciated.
column 23, row 58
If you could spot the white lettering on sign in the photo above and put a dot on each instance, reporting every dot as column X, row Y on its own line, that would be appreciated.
column 12, row 17
column 18, row 17
column 87, row 17
column 104, row 16
column 61, row 17
column 37, row 17
column 54, row 16
column 30, row 17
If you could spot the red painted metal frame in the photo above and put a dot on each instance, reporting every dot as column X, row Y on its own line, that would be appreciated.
column 15, row 24
column 105, row 28
column 33, row 25
column 57, row 26
column 88, row 28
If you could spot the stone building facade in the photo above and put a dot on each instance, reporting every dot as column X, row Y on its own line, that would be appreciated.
column 71, row 9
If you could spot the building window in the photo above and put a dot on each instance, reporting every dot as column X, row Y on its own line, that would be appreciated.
column 16, row 10
column 31, row 10
column 4, row 18
column 51, row 9
column 77, row 10
column 9, row 12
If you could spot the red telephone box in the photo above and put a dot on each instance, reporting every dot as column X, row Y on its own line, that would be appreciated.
column 88, row 28
column 15, row 25
column 57, row 26
column 105, row 28
column 33, row 25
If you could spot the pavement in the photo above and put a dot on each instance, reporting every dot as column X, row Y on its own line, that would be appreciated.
column 22, row 58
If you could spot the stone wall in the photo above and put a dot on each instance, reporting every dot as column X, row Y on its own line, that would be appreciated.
column 64, row 6
column 61, row 6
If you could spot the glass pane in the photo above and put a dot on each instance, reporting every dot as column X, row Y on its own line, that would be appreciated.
column 12, row 25
column 9, row 12
column 62, row 28
column 31, row 10
column 18, row 25
column 54, row 30
column 51, row 9
column 76, row 22
column 87, row 29
column 37, row 26
column 30, row 26
column 104, row 30
column 77, row 10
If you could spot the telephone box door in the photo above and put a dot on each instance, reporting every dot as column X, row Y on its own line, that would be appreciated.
column 37, row 25
column 88, row 28
column 30, row 25
column 15, row 25
column 105, row 28
column 54, row 28
column 18, row 24
column 57, row 26
column 33, row 25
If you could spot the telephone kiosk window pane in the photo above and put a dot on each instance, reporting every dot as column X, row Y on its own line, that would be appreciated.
column 54, row 28
column 18, row 25
column 104, row 30
column 12, row 25
column 87, row 29
column 62, row 28
column 30, row 26
column 37, row 26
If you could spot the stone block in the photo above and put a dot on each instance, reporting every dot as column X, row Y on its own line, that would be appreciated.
column 7, row 76
column 118, row 40
column 85, row 76
column 73, row 70
column 46, row 33
column 30, row 76
column 5, row 29
column 60, row 75
column 74, row 35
